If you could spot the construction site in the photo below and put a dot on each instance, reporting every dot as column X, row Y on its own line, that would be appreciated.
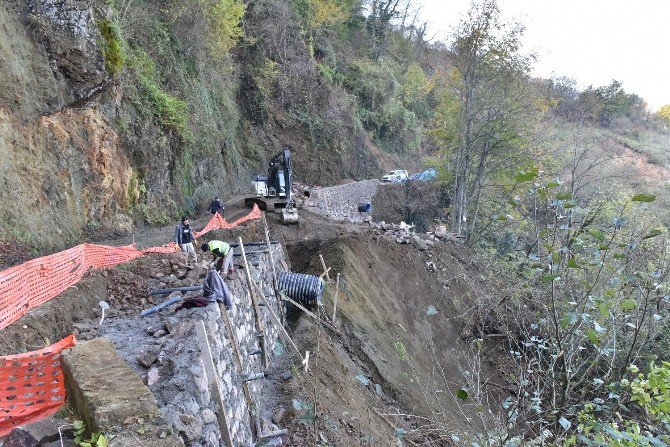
column 249, row 223
column 345, row 365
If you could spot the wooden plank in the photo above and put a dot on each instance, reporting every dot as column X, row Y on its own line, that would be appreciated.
column 310, row 313
column 260, row 326
column 213, row 381
column 337, row 291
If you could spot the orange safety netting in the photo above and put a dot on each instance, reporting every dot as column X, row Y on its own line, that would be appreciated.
column 28, row 285
column 31, row 385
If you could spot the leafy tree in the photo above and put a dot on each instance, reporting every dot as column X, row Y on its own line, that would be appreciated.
column 224, row 19
column 596, row 286
column 605, row 104
column 323, row 13
column 563, row 94
column 382, row 14
column 487, row 110
column 382, row 104
column 664, row 112
column 415, row 88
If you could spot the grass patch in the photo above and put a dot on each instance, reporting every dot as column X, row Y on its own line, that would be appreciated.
column 112, row 46
column 170, row 110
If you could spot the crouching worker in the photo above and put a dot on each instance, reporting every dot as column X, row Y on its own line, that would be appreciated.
column 214, row 289
column 223, row 255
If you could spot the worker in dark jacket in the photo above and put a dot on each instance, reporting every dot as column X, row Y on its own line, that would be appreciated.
column 216, row 206
column 223, row 255
column 184, row 237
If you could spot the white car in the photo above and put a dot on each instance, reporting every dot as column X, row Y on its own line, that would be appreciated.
column 398, row 175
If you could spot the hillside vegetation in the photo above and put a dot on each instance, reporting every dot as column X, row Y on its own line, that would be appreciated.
column 115, row 113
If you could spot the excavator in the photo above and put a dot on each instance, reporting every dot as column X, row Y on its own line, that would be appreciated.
column 275, row 189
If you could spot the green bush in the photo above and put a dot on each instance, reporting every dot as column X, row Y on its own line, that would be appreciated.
column 112, row 46
column 172, row 111
column 224, row 22
column 382, row 107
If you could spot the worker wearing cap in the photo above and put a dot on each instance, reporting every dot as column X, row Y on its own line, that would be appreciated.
column 223, row 255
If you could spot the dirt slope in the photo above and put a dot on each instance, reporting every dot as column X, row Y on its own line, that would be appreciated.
column 403, row 338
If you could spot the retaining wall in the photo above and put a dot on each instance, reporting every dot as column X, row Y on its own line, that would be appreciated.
column 171, row 360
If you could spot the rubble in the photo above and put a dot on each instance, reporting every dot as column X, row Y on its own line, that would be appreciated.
column 148, row 357
column 20, row 438
column 341, row 202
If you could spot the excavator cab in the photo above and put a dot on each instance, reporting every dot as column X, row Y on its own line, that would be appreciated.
column 276, row 186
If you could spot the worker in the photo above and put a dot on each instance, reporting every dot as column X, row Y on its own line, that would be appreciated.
column 184, row 237
column 217, row 206
column 223, row 255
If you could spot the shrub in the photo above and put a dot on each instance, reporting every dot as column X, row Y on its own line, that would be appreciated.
column 171, row 111
column 112, row 46
column 224, row 21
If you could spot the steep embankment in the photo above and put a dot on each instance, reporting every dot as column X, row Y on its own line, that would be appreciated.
column 402, row 354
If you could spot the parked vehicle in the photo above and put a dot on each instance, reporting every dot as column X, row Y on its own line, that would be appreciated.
column 427, row 175
column 399, row 175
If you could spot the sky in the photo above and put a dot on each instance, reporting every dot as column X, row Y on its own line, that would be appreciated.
column 591, row 41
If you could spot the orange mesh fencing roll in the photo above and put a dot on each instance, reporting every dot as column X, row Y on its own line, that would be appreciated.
column 215, row 223
column 254, row 214
column 32, row 385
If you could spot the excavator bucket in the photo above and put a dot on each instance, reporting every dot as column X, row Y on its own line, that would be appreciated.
column 289, row 216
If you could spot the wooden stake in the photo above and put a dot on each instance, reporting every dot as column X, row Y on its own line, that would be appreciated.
column 310, row 313
column 272, row 263
column 236, row 353
column 325, row 270
column 213, row 381
column 260, row 327
column 275, row 282
column 283, row 330
column 337, row 291
column 325, row 273
column 316, row 365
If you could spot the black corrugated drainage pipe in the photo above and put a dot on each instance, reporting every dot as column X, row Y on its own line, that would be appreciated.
column 305, row 289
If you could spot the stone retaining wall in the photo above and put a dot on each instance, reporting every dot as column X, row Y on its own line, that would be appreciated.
column 163, row 349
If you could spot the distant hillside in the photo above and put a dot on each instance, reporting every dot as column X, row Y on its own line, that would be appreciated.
column 116, row 113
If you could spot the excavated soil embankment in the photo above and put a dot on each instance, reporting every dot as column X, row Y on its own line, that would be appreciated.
column 405, row 318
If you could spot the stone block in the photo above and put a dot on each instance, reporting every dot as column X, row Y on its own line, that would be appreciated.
column 109, row 397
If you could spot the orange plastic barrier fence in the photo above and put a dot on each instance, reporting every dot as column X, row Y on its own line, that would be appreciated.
column 31, row 385
column 35, row 282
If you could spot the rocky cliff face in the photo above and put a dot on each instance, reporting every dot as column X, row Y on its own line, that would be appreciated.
column 87, row 146
column 62, row 167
